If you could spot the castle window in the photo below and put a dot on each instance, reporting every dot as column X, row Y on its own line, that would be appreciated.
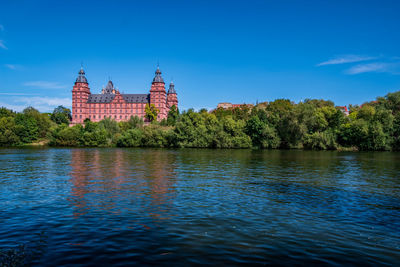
column 104, row 116
column 80, row 116
column 76, row 116
column 120, row 116
column 115, row 116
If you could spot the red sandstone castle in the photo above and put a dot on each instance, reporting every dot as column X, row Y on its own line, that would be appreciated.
column 120, row 107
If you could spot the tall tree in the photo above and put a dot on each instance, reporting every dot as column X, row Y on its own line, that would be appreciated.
column 151, row 112
column 173, row 115
column 61, row 115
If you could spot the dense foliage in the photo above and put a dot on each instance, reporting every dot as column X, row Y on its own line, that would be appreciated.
column 311, row 124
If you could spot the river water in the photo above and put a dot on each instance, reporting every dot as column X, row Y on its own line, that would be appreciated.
column 102, row 207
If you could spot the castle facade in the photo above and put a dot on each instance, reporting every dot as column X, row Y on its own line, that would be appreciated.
column 120, row 107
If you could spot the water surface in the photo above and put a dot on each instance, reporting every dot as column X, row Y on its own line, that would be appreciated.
column 102, row 207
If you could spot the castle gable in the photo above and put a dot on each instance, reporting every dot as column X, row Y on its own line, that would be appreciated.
column 118, row 98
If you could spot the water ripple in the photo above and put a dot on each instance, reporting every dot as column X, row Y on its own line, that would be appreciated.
column 233, row 207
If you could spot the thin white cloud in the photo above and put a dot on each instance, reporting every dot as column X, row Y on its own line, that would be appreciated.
column 1, row 28
column 346, row 59
column 45, row 85
column 2, row 45
column 13, row 107
column 15, row 94
column 44, row 101
column 372, row 67
column 43, row 104
column 11, row 66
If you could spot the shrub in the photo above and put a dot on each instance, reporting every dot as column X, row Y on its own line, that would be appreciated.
column 131, row 138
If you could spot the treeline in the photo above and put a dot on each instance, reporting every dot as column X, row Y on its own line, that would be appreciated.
column 311, row 124
column 25, row 127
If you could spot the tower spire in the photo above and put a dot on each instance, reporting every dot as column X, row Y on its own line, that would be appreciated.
column 81, row 78
column 109, row 88
column 171, row 89
column 158, row 78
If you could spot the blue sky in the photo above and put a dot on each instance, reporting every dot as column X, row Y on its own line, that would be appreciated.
column 215, row 51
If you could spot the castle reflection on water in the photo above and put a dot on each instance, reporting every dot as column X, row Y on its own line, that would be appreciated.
column 102, row 181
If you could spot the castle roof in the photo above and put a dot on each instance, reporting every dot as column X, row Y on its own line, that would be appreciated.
column 171, row 89
column 100, row 98
column 129, row 98
column 136, row 98
column 81, row 78
column 158, row 78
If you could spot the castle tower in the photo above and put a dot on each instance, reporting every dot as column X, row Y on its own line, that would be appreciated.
column 172, row 98
column 109, row 88
column 158, row 95
column 80, row 95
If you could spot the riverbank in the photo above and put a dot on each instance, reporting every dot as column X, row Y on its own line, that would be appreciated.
column 45, row 144
column 281, row 124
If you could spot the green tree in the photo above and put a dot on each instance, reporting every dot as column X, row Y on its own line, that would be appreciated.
column 173, row 115
column 262, row 134
column 156, row 136
column 151, row 112
column 396, row 132
column 241, row 113
column 112, row 129
column 320, row 140
column 4, row 112
column 195, row 129
column 26, row 128
column 8, row 136
column 67, row 136
column 131, row 138
column 42, row 120
column 96, row 138
column 222, row 112
column 132, row 123
column 61, row 115
column 366, row 112
column 377, row 139
column 393, row 102
column 319, row 103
